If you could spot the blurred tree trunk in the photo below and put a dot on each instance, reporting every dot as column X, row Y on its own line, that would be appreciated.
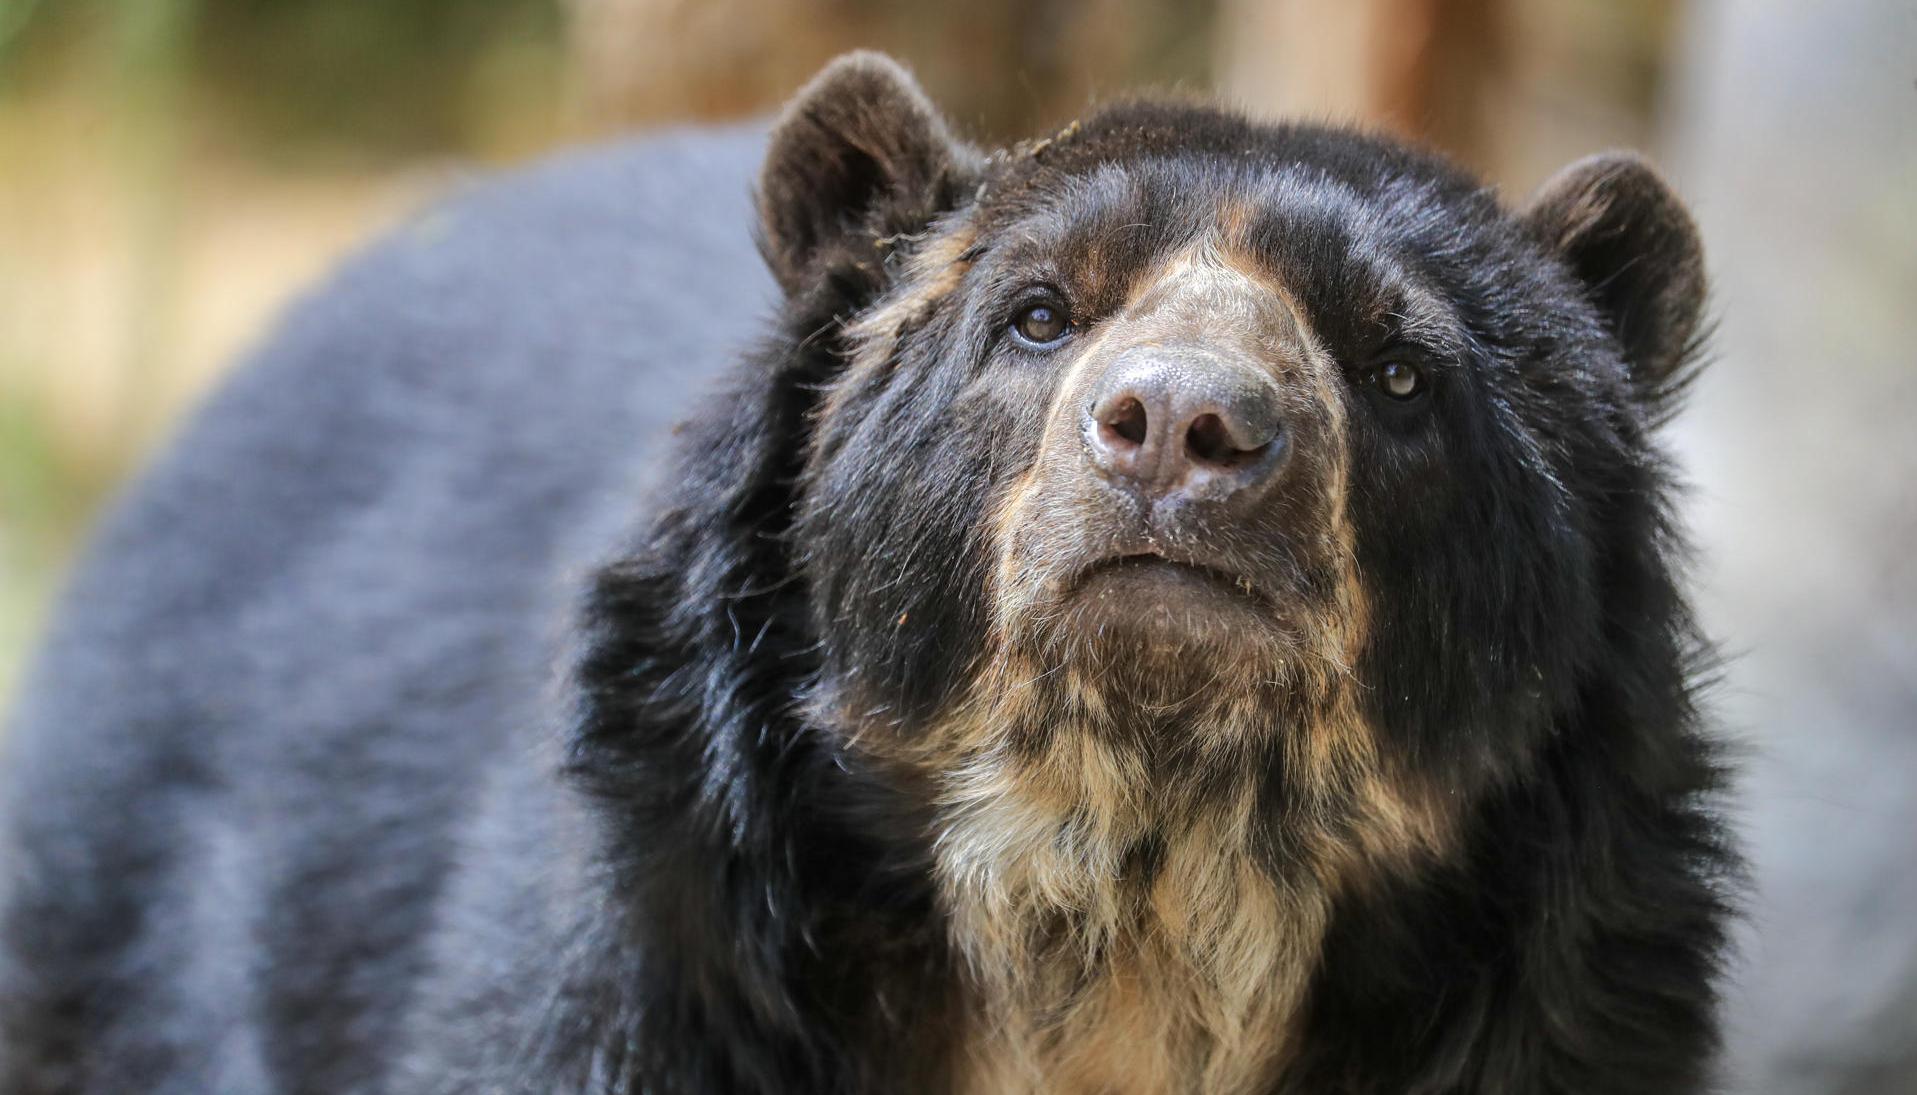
column 152, row 40
column 1511, row 90
column 1002, row 69
column 1392, row 63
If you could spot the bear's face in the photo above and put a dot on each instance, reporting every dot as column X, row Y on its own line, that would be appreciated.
column 1177, row 419
column 1112, row 397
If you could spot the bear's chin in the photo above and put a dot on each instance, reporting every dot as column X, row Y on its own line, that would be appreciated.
column 1152, row 608
column 1165, row 635
column 1171, row 602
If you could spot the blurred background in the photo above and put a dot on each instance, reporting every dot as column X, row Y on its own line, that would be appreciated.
column 171, row 171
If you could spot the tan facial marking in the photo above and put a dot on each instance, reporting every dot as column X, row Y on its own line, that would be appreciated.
column 932, row 271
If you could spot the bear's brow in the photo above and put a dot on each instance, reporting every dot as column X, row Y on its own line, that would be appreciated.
column 1323, row 240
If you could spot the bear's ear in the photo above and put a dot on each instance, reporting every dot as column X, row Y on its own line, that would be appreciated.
column 1631, row 243
column 860, row 153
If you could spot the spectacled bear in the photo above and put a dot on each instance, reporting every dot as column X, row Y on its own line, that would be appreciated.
column 1183, row 605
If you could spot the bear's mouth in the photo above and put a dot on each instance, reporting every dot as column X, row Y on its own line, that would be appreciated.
column 1152, row 594
column 1152, row 566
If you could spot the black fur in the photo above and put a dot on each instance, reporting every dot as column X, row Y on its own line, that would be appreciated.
column 293, row 807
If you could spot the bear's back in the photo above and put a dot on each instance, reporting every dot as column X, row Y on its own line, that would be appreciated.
column 278, row 678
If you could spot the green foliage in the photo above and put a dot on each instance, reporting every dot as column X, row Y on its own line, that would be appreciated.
column 386, row 76
column 47, row 496
column 14, row 16
column 358, row 79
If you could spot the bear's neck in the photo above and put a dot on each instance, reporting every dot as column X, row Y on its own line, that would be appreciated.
column 1119, row 933
column 1138, row 895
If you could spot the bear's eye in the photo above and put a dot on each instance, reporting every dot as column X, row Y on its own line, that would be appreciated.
column 1400, row 381
column 1042, row 325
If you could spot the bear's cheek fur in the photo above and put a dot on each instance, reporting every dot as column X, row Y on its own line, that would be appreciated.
column 1482, row 587
column 907, row 453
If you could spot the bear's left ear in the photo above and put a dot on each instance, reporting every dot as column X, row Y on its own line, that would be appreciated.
column 860, row 153
column 1629, row 240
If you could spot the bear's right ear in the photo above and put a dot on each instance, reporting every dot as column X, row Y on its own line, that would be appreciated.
column 859, row 154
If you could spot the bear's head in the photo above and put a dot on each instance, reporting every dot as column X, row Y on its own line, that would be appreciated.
column 1221, row 444
column 1197, row 516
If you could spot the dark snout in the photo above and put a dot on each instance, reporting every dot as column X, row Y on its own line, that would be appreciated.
column 1185, row 426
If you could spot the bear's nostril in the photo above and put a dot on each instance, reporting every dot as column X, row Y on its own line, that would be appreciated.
column 1128, row 421
column 1210, row 442
column 1161, row 426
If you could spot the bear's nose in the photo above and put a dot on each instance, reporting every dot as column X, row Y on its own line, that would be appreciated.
column 1185, row 425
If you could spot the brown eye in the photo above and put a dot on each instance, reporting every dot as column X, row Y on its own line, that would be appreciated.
column 1042, row 324
column 1401, row 381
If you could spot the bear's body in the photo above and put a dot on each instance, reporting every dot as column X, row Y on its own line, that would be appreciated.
column 913, row 737
column 259, row 779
